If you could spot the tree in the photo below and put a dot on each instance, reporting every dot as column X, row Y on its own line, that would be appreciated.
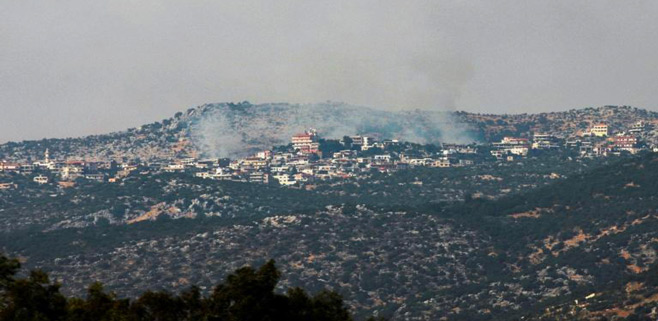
column 98, row 305
column 33, row 299
column 347, row 142
column 8, row 268
column 246, row 295
column 159, row 306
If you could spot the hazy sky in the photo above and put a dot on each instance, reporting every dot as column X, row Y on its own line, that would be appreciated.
column 69, row 68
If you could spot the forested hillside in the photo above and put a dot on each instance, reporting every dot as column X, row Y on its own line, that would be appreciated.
column 598, row 228
column 246, row 294
column 499, row 242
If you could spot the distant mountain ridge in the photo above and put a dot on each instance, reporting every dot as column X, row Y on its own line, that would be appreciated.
column 572, row 122
column 235, row 129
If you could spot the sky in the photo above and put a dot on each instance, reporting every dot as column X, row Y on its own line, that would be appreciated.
column 76, row 67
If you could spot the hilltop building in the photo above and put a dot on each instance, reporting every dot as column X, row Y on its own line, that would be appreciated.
column 46, row 162
column 307, row 142
column 639, row 128
column 599, row 130
column 364, row 142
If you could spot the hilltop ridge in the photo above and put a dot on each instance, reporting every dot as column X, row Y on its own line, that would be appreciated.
column 230, row 129
column 572, row 227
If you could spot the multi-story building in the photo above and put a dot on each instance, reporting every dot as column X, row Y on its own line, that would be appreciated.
column 625, row 143
column 9, row 167
column 98, row 177
column 384, row 158
column 284, row 179
column 255, row 162
column 266, row 154
column 511, row 145
column 259, row 177
column 174, row 167
column 363, row 141
column 639, row 128
column 599, row 130
column 449, row 149
column 307, row 142
column 545, row 141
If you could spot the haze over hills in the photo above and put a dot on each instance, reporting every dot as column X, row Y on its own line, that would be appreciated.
column 227, row 129
column 492, row 230
column 568, row 228
column 237, row 129
column 356, row 176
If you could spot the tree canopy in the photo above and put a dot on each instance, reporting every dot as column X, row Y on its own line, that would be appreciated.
column 247, row 294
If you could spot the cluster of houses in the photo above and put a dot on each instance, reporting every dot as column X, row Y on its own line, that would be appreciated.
column 300, row 164
column 68, row 171
column 303, row 162
column 598, row 140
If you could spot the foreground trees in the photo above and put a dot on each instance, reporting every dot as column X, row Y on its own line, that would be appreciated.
column 246, row 295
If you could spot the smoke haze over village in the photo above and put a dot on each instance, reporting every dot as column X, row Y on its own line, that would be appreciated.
column 346, row 160
column 73, row 68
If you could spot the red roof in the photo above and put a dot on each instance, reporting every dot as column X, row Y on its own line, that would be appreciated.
column 303, row 135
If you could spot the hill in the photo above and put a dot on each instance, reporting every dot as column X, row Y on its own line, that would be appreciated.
column 515, row 239
column 492, row 127
column 592, row 235
column 406, row 257
column 229, row 129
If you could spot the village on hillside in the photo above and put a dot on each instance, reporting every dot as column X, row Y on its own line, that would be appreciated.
column 308, row 158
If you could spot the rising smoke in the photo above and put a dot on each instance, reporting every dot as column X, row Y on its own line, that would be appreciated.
column 215, row 136
column 95, row 66
column 223, row 130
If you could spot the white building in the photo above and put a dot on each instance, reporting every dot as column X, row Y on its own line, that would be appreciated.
column 40, row 179
column 599, row 130
column 511, row 145
column 284, row 179
column 545, row 141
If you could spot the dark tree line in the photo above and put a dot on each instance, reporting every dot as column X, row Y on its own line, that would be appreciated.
column 246, row 295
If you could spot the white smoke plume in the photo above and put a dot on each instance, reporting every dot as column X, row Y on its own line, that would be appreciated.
column 226, row 130
column 214, row 136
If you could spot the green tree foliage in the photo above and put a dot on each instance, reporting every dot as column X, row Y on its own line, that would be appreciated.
column 33, row 298
column 330, row 146
column 248, row 294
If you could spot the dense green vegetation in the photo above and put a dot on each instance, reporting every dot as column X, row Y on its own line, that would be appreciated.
column 248, row 294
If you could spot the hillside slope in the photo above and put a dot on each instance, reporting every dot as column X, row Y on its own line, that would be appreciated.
column 492, row 127
column 593, row 232
column 228, row 129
